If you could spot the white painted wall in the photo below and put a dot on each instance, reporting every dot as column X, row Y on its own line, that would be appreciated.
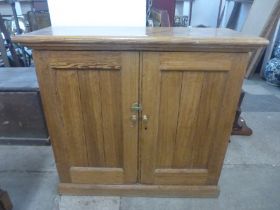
column 179, row 8
column 205, row 12
column 186, row 8
column 98, row 13
column 182, row 8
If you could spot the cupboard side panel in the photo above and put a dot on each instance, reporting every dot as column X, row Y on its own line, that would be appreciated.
column 228, row 108
column 54, row 123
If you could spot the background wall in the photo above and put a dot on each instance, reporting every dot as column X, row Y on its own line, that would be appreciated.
column 205, row 12
column 127, row 12
column 244, row 11
column 98, row 13
column 245, row 8
column 6, row 10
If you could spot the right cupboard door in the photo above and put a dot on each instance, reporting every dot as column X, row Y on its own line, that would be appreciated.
column 189, row 101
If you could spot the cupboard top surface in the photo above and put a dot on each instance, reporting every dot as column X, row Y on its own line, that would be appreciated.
column 139, row 38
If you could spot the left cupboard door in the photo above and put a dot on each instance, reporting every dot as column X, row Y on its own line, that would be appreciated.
column 87, row 99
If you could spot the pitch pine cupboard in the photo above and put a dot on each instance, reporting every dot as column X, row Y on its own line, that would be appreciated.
column 140, row 111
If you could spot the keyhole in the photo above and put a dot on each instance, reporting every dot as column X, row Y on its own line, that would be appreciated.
column 145, row 121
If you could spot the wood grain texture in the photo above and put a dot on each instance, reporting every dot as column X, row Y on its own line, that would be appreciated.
column 130, row 95
column 189, row 106
column 181, row 176
column 93, row 112
column 229, row 103
column 188, row 82
column 185, row 104
column 140, row 98
column 94, row 175
column 170, row 93
column 84, row 66
column 140, row 190
column 195, row 61
column 91, row 104
column 150, row 100
column 70, row 109
column 207, row 116
column 139, row 38
column 110, row 92
column 54, row 123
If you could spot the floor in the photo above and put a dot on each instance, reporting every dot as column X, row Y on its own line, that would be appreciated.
column 250, row 178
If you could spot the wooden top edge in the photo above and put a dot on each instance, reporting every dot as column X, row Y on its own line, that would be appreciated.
column 139, row 35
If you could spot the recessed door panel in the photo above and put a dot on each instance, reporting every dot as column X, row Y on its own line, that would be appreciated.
column 183, row 99
column 93, row 93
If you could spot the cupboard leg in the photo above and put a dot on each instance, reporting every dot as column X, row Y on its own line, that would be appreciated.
column 239, row 126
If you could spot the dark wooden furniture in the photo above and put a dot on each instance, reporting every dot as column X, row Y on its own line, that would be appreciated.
column 21, row 116
column 140, row 111
column 5, row 202
column 239, row 125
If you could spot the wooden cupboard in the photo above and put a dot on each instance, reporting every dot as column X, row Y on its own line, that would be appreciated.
column 140, row 111
column 91, row 94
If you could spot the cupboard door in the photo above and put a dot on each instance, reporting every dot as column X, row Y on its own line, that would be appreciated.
column 87, row 97
column 189, row 102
